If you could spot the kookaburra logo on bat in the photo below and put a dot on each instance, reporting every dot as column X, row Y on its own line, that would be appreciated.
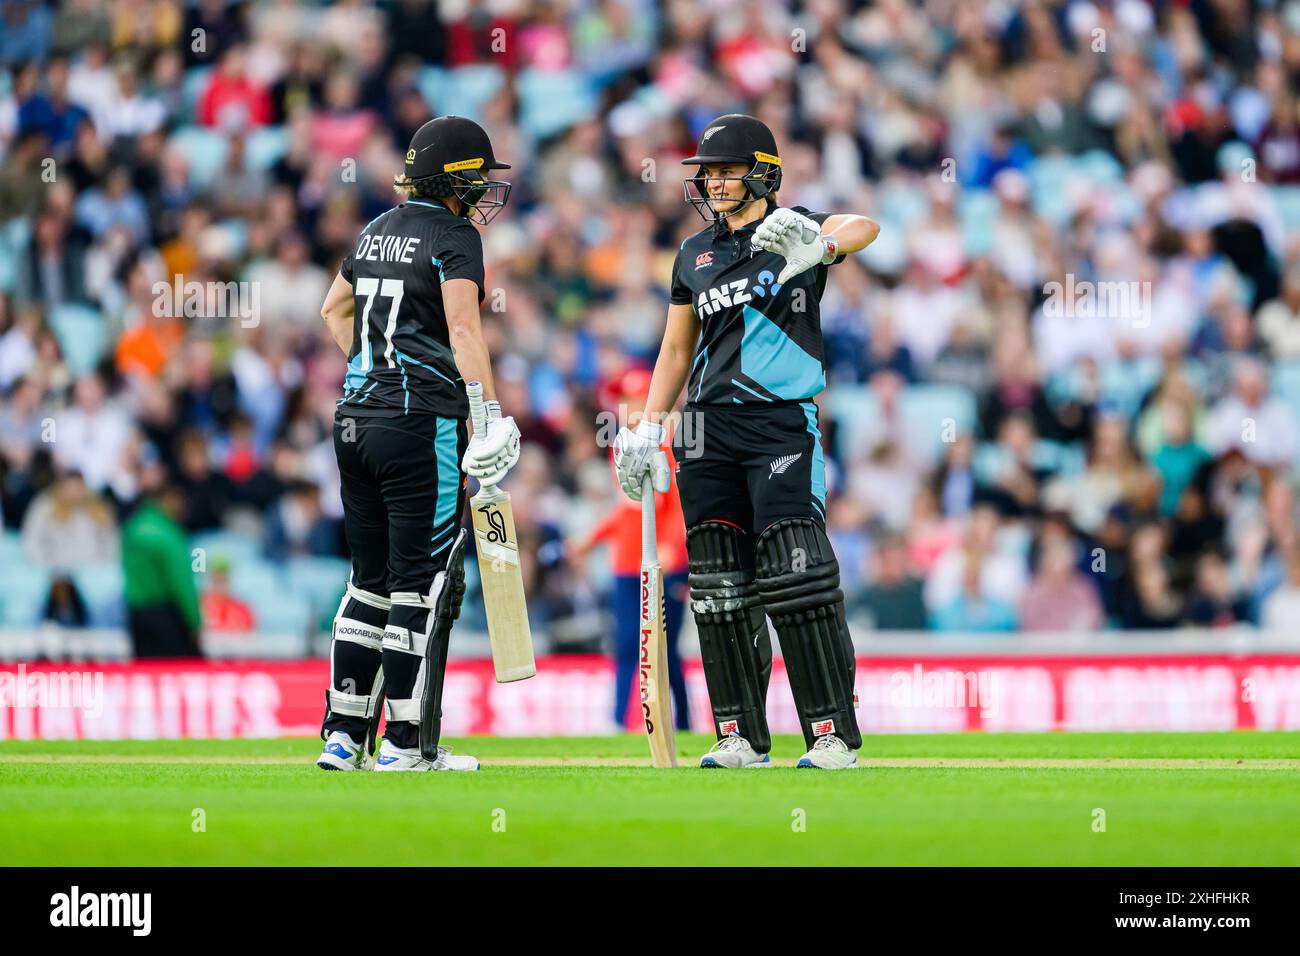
column 497, row 523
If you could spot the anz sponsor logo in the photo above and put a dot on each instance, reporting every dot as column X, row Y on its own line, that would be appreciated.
column 722, row 297
column 733, row 293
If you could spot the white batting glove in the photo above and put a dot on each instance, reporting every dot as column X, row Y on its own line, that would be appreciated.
column 492, row 454
column 797, row 238
column 637, row 453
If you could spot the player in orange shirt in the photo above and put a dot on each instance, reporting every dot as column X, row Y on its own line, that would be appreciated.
column 621, row 529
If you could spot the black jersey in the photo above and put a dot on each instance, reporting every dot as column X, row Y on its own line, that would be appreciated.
column 401, row 361
column 759, row 341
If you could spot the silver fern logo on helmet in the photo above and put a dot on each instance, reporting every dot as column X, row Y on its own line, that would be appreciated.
column 710, row 131
column 781, row 465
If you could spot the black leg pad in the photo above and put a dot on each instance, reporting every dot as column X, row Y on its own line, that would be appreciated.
column 798, row 579
column 734, row 642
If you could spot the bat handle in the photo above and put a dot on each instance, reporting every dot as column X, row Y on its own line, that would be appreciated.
column 477, row 409
column 478, row 417
column 649, row 547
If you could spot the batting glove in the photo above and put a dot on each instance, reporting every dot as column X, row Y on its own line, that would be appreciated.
column 491, row 455
column 637, row 453
column 797, row 238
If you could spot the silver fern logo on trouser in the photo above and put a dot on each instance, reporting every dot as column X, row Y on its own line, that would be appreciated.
column 779, row 466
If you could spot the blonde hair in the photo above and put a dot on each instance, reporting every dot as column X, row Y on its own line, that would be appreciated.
column 403, row 186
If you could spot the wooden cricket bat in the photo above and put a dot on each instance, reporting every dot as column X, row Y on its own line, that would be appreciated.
column 656, row 701
column 498, row 567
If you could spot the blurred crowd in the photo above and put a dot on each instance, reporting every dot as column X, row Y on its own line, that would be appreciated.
column 1001, row 457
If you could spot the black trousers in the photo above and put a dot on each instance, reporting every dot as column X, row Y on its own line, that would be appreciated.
column 161, row 631
column 750, row 466
column 403, row 497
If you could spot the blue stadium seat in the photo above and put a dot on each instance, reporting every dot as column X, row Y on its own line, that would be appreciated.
column 1288, row 206
column 14, row 236
column 80, row 331
column 196, row 79
column 1125, row 383
column 11, row 549
column 978, row 211
column 1100, row 167
column 23, row 596
column 233, row 545
column 318, row 581
column 468, row 88
column 102, row 587
column 889, row 253
column 1049, row 177
column 283, row 614
column 552, row 100
column 924, row 409
column 256, row 579
column 1286, row 384
column 900, row 205
column 266, row 145
column 204, row 150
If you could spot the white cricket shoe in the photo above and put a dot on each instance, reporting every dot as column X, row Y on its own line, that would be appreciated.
column 342, row 753
column 397, row 758
column 829, row 753
column 733, row 752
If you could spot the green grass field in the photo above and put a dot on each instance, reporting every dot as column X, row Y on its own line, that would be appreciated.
column 975, row 799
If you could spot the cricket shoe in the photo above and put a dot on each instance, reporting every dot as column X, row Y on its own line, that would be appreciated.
column 392, row 757
column 342, row 753
column 733, row 752
column 829, row 753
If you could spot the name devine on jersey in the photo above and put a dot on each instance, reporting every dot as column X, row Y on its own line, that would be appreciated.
column 387, row 248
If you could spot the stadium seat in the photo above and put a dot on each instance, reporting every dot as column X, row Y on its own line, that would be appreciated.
column 204, row 151
column 900, row 206
column 14, row 236
column 552, row 100
column 469, row 87
column 266, row 146
column 924, row 409
column 1288, row 206
column 232, row 545
column 196, row 80
column 11, row 549
column 318, row 581
column 978, row 211
column 256, row 580
column 23, row 595
column 80, row 331
column 1125, row 383
column 1286, row 384
column 285, row 614
column 1049, row 178
column 102, row 587
column 1099, row 167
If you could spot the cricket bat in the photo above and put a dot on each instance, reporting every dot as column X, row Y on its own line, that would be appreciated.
column 656, row 702
column 498, row 568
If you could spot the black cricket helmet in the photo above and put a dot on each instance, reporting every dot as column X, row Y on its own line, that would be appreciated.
column 449, row 156
column 740, row 139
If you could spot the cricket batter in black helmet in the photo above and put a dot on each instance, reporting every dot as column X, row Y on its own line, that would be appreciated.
column 404, row 309
column 744, row 338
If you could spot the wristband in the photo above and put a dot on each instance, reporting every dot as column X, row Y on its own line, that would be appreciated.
column 832, row 249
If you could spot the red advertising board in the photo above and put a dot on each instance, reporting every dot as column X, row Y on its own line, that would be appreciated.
column 574, row 696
